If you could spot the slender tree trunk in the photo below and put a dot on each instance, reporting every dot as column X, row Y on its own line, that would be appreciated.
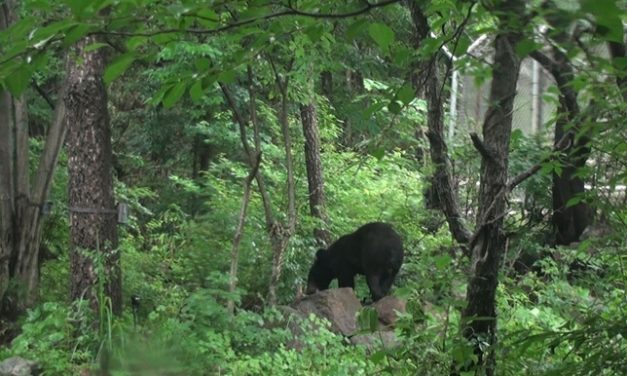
column 489, row 243
column 315, row 177
column 6, row 194
column 93, row 232
column 326, row 81
column 568, row 222
column 285, row 234
column 20, row 202
column 239, row 231
column 428, row 80
column 276, row 231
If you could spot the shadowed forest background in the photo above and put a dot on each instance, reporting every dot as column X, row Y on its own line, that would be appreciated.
column 168, row 170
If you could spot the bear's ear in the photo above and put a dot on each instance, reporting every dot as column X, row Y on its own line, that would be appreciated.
column 321, row 253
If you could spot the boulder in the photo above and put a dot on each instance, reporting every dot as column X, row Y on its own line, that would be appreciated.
column 388, row 310
column 17, row 366
column 339, row 306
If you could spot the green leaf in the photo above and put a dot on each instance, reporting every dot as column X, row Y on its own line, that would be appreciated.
column 174, row 94
column 315, row 31
column 118, row 67
column 406, row 94
column 377, row 357
column 368, row 319
column 574, row 201
column 372, row 109
column 526, row 46
column 227, row 76
column 443, row 261
column 134, row 42
column 394, row 107
column 196, row 92
column 608, row 18
column 95, row 46
column 202, row 64
column 462, row 45
column 78, row 6
column 378, row 153
column 381, row 34
column 76, row 33
column 18, row 81
column 355, row 29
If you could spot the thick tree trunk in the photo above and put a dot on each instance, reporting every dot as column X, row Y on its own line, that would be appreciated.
column 93, row 234
column 490, row 241
column 315, row 177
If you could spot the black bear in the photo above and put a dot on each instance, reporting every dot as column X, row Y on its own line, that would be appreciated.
column 374, row 250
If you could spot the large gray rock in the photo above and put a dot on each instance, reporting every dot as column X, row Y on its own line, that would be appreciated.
column 388, row 309
column 339, row 306
column 17, row 366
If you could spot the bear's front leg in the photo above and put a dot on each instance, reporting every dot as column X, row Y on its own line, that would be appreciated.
column 374, row 283
column 346, row 279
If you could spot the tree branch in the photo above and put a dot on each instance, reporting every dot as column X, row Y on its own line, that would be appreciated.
column 481, row 148
column 563, row 144
column 287, row 12
column 43, row 94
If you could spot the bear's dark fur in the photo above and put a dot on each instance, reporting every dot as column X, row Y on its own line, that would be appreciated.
column 374, row 250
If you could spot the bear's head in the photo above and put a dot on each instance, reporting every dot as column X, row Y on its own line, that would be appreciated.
column 320, row 274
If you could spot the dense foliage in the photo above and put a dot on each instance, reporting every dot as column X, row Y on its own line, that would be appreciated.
column 180, row 166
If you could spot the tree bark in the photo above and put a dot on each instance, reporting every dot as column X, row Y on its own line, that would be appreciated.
column 490, row 241
column 239, row 231
column 568, row 222
column 428, row 79
column 276, row 232
column 286, row 232
column 618, row 51
column 315, row 177
column 20, row 202
column 94, row 255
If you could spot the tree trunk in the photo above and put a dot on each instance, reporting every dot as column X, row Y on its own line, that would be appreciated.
column 326, row 81
column 568, row 222
column 284, row 234
column 428, row 80
column 94, row 255
column 276, row 232
column 315, row 177
column 20, row 203
column 489, row 243
column 239, row 232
